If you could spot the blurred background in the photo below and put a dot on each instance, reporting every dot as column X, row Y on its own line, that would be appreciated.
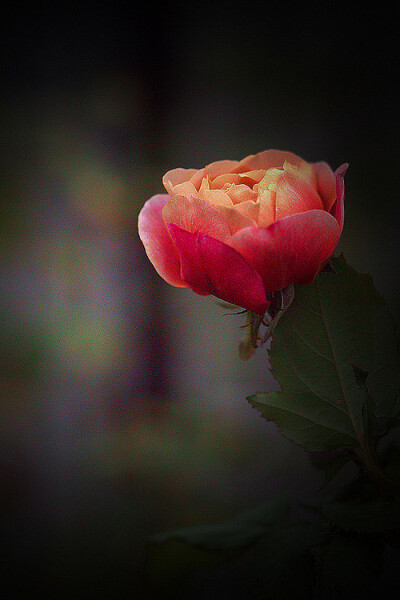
column 123, row 409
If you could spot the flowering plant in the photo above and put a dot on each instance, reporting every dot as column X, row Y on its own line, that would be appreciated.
column 260, row 233
column 241, row 230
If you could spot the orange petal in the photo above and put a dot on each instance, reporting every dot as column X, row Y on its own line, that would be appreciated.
column 295, row 195
column 251, row 177
column 241, row 193
column 270, row 178
column 197, row 178
column 267, row 201
column 184, row 189
column 213, row 170
column 215, row 197
column 235, row 219
column 304, row 170
column 220, row 167
column 221, row 180
column 267, row 160
column 249, row 209
column 195, row 214
column 177, row 176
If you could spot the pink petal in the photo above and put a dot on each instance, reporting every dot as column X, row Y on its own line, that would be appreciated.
column 326, row 184
column 291, row 250
column 211, row 267
column 157, row 242
column 337, row 209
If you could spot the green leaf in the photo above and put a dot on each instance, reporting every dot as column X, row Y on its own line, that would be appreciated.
column 372, row 517
column 337, row 321
column 242, row 530
column 348, row 560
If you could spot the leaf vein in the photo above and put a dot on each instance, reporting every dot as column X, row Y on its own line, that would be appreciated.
column 335, row 362
column 308, row 345
column 310, row 310
column 313, row 422
column 317, row 395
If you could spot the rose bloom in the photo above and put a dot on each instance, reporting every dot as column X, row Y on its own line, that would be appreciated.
column 242, row 229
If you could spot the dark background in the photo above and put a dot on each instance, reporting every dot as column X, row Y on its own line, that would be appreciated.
column 122, row 399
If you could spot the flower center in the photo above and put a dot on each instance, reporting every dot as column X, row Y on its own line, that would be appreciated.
column 268, row 182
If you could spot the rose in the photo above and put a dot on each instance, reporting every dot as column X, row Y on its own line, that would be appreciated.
column 239, row 230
